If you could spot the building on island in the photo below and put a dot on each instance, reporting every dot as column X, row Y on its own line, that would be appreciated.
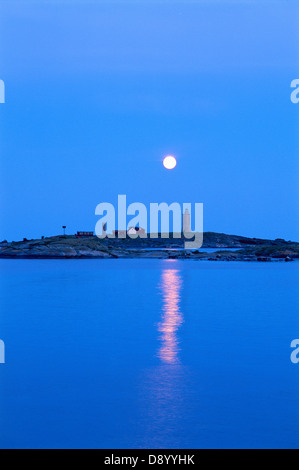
column 186, row 222
column 136, row 231
column 84, row 234
column 131, row 231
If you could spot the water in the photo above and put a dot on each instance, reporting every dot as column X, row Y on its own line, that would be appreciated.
column 148, row 354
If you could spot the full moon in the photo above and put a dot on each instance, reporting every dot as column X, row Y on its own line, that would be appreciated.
column 169, row 162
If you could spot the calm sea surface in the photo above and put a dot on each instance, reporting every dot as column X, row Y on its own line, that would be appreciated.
column 148, row 354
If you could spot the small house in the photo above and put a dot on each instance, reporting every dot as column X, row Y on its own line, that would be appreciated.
column 84, row 234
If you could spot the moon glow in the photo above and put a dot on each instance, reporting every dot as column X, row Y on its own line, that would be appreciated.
column 169, row 162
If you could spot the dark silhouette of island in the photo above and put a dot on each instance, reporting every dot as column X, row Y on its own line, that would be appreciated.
column 225, row 248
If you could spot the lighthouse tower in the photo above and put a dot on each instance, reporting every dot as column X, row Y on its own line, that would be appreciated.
column 186, row 222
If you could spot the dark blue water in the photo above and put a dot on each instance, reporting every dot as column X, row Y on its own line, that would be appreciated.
column 148, row 354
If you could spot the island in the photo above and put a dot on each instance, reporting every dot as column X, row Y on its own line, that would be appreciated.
column 216, row 247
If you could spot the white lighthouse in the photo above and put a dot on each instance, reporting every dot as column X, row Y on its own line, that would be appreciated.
column 186, row 222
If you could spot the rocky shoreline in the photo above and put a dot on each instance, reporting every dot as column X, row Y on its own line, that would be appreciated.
column 228, row 248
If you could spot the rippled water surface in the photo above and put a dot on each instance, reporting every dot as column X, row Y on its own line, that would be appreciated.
column 148, row 354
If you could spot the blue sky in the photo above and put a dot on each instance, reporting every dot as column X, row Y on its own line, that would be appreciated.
column 98, row 92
